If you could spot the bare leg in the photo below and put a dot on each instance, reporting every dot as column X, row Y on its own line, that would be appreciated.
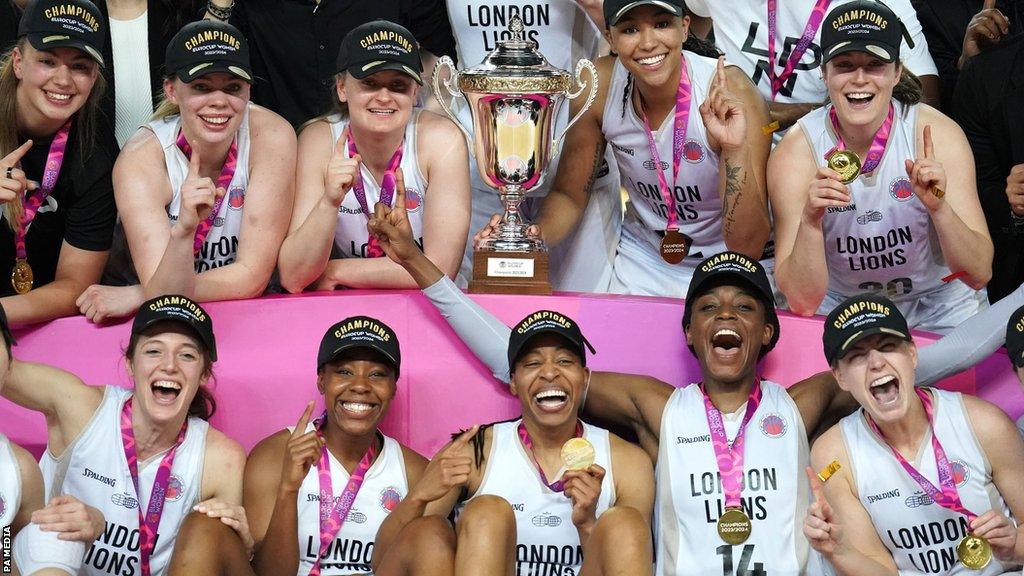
column 425, row 547
column 620, row 545
column 207, row 546
column 486, row 538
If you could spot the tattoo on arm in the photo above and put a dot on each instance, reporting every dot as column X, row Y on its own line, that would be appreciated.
column 598, row 156
column 735, row 180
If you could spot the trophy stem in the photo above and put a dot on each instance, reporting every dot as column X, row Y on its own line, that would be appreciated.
column 511, row 236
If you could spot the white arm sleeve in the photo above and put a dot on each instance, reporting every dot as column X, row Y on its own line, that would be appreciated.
column 35, row 550
column 969, row 343
column 485, row 335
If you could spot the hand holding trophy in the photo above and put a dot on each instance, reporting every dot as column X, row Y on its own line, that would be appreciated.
column 514, row 96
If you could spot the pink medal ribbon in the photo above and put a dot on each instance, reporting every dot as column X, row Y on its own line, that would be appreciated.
column 33, row 201
column 387, row 190
column 680, row 124
column 878, row 143
column 948, row 497
column 333, row 514
column 730, row 458
column 227, row 172
column 810, row 30
column 149, row 521
column 524, row 436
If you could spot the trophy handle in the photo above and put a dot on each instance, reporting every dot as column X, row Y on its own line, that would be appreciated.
column 583, row 63
column 451, row 86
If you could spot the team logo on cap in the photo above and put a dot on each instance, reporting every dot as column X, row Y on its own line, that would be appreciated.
column 72, row 17
column 901, row 189
column 236, row 198
column 545, row 316
column 773, row 425
column 389, row 498
column 693, row 152
column 961, row 473
column 175, row 489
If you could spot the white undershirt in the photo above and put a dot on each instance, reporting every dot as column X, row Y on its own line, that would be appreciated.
column 133, row 103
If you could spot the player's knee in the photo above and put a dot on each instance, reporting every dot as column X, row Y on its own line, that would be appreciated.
column 429, row 534
column 200, row 529
column 487, row 513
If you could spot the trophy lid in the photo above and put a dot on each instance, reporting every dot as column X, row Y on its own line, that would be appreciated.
column 515, row 66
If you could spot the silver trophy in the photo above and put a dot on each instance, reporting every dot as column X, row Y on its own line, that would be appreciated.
column 514, row 96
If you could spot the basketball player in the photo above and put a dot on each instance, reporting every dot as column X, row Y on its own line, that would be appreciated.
column 922, row 469
column 858, row 190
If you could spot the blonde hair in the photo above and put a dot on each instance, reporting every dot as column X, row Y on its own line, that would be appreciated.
column 87, row 120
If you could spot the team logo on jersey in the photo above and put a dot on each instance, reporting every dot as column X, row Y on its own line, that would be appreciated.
column 961, row 473
column 918, row 499
column 546, row 520
column 773, row 425
column 413, row 200
column 357, row 517
column 175, row 489
column 124, row 499
column 693, row 152
column 218, row 221
column 869, row 216
column 901, row 189
column 389, row 498
column 651, row 165
column 236, row 198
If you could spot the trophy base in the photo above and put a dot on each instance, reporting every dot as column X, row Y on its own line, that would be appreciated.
column 510, row 273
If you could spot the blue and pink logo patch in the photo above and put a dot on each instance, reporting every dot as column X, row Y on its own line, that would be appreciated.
column 175, row 489
column 413, row 200
column 693, row 152
column 236, row 198
column 389, row 498
column 773, row 425
column 901, row 189
column 961, row 473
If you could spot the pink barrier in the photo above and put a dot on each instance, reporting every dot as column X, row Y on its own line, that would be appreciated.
column 267, row 368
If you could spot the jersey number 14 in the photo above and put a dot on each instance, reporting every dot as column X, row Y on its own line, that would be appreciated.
column 744, row 568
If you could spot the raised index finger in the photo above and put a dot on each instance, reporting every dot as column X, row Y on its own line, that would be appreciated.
column 15, row 156
column 929, row 149
column 988, row 4
column 459, row 443
column 399, row 190
column 720, row 72
column 300, row 428
column 817, row 487
column 193, row 163
column 339, row 146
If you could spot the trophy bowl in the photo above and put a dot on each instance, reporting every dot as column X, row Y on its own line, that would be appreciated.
column 514, row 95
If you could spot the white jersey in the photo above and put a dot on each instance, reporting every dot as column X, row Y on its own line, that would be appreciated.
column 639, row 267
column 351, row 552
column 885, row 240
column 921, row 535
column 690, row 498
column 10, row 484
column 350, row 236
column 564, row 34
column 546, row 539
column 93, row 469
column 741, row 32
column 221, row 245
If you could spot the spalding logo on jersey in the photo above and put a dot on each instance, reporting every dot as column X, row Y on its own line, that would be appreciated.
column 901, row 189
column 693, row 152
column 236, row 198
column 961, row 473
column 175, row 489
column 773, row 425
column 389, row 498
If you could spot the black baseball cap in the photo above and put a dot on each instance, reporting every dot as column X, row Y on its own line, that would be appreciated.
column 543, row 322
column 206, row 46
column 863, row 26
column 614, row 10
column 858, row 317
column 176, row 308
column 5, row 330
column 1015, row 337
column 380, row 45
column 733, row 269
column 360, row 332
column 77, row 24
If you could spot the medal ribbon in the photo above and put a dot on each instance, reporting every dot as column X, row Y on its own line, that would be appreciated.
column 680, row 124
column 149, row 521
column 730, row 458
column 54, row 160
column 878, row 143
column 333, row 514
column 524, row 436
column 227, row 172
column 387, row 190
column 948, row 497
column 810, row 30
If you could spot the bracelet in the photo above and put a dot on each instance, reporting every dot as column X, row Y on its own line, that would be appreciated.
column 222, row 14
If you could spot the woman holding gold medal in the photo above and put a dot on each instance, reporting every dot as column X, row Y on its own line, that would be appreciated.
column 875, row 192
column 55, row 166
column 930, row 479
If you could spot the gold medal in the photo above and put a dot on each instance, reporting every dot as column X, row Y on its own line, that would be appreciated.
column 846, row 164
column 577, row 454
column 974, row 552
column 734, row 526
column 21, row 276
column 675, row 246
